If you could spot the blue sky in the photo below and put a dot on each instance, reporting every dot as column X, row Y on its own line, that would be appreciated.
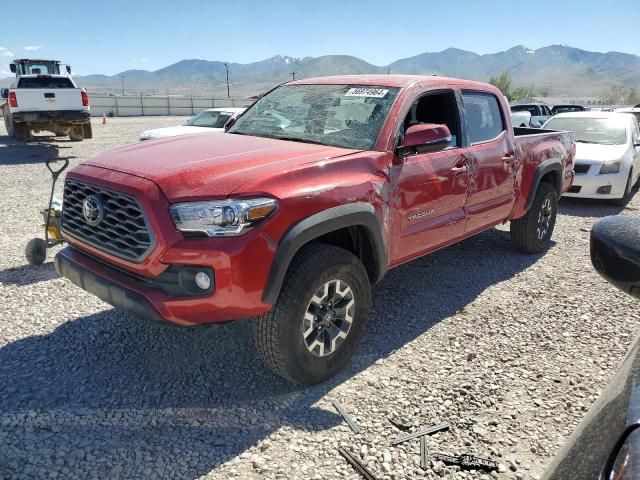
column 110, row 36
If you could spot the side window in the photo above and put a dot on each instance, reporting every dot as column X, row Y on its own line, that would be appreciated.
column 439, row 108
column 484, row 118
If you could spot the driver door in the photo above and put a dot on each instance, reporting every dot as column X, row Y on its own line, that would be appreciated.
column 431, row 187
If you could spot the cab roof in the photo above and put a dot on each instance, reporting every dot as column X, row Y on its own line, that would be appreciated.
column 398, row 81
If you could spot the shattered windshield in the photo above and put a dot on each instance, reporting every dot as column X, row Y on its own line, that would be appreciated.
column 339, row 115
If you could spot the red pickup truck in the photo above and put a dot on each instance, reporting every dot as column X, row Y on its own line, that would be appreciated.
column 309, row 198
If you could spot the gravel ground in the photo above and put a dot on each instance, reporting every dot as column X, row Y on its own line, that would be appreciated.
column 510, row 349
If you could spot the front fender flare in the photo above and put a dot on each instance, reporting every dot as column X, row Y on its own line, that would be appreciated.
column 354, row 214
column 551, row 165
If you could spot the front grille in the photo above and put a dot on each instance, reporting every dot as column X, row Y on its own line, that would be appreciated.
column 123, row 231
column 581, row 168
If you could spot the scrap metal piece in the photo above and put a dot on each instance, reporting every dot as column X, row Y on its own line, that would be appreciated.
column 466, row 461
column 357, row 466
column 343, row 413
column 398, row 423
column 420, row 433
column 423, row 452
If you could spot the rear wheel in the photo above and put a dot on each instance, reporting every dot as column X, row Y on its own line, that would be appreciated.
column 76, row 134
column 22, row 132
column 316, row 325
column 628, row 192
column 8, row 123
column 532, row 233
column 87, row 132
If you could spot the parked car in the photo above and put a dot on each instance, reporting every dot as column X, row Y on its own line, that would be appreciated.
column 43, row 99
column 607, row 164
column 634, row 111
column 540, row 112
column 521, row 119
column 207, row 121
column 293, row 221
column 606, row 444
column 567, row 109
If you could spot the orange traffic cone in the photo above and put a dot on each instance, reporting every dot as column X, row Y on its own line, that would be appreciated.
column 104, row 119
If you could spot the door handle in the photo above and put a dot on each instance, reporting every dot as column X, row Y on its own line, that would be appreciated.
column 462, row 169
column 508, row 158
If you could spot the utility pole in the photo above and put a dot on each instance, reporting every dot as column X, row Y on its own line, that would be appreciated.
column 122, row 80
column 293, row 74
column 388, row 70
column 227, row 67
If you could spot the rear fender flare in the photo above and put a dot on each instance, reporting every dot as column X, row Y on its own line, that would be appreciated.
column 551, row 165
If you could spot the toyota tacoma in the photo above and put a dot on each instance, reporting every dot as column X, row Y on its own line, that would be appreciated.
column 311, row 195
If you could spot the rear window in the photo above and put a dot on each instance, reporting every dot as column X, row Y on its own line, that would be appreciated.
column 532, row 109
column 45, row 82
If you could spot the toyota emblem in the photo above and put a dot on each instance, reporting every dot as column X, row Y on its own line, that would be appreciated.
column 92, row 210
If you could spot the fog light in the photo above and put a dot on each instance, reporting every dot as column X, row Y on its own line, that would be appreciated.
column 605, row 190
column 203, row 281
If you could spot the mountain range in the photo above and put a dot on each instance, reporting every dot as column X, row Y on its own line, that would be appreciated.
column 559, row 69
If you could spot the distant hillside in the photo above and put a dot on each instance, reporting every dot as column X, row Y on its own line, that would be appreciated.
column 559, row 69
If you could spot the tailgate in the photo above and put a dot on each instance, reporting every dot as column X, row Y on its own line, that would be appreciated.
column 47, row 99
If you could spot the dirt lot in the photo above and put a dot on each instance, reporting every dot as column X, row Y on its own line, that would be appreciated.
column 510, row 349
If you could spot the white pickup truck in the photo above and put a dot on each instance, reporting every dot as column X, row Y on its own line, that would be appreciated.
column 43, row 99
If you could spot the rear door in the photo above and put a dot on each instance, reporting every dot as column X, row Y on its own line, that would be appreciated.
column 44, row 93
column 431, row 187
column 491, row 161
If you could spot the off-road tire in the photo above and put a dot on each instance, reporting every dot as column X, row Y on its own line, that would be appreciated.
column 279, row 334
column 628, row 192
column 21, row 132
column 525, row 232
column 87, row 131
column 36, row 251
column 76, row 134
column 8, row 123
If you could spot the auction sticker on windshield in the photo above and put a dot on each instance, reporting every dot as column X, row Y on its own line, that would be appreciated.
column 366, row 92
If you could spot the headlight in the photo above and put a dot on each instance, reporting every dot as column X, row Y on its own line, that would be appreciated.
column 224, row 218
column 613, row 167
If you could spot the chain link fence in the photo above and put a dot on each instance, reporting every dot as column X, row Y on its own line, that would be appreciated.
column 145, row 105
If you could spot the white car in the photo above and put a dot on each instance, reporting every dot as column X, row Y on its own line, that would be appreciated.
column 540, row 112
column 607, row 160
column 521, row 119
column 211, row 120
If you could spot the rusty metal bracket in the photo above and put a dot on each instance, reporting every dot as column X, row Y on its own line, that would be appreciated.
column 420, row 433
column 343, row 413
column 355, row 463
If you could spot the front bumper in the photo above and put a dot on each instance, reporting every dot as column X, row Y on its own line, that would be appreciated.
column 161, row 298
column 51, row 116
column 593, row 185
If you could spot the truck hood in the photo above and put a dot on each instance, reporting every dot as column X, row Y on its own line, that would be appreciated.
column 175, row 131
column 189, row 167
column 596, row 153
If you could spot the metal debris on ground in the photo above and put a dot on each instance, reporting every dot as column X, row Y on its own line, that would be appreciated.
column 467, row 461
column 423, row 452
column 355, row 463
column 343, row 413
column 420, row 433
column 400, row 424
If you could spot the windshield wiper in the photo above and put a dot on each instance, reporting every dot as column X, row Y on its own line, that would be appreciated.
column 586, row 141
column 297, row 139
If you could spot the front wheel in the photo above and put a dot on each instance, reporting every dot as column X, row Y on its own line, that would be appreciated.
column 314, row 328
column 36, row 251
column 628, row 191
column 532, row 233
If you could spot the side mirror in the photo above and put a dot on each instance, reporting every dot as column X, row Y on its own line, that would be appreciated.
column 424, row 138
column 13, row 67
column 69, row 69
column 230, row 123
column 615, row 252
column 4, row 93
